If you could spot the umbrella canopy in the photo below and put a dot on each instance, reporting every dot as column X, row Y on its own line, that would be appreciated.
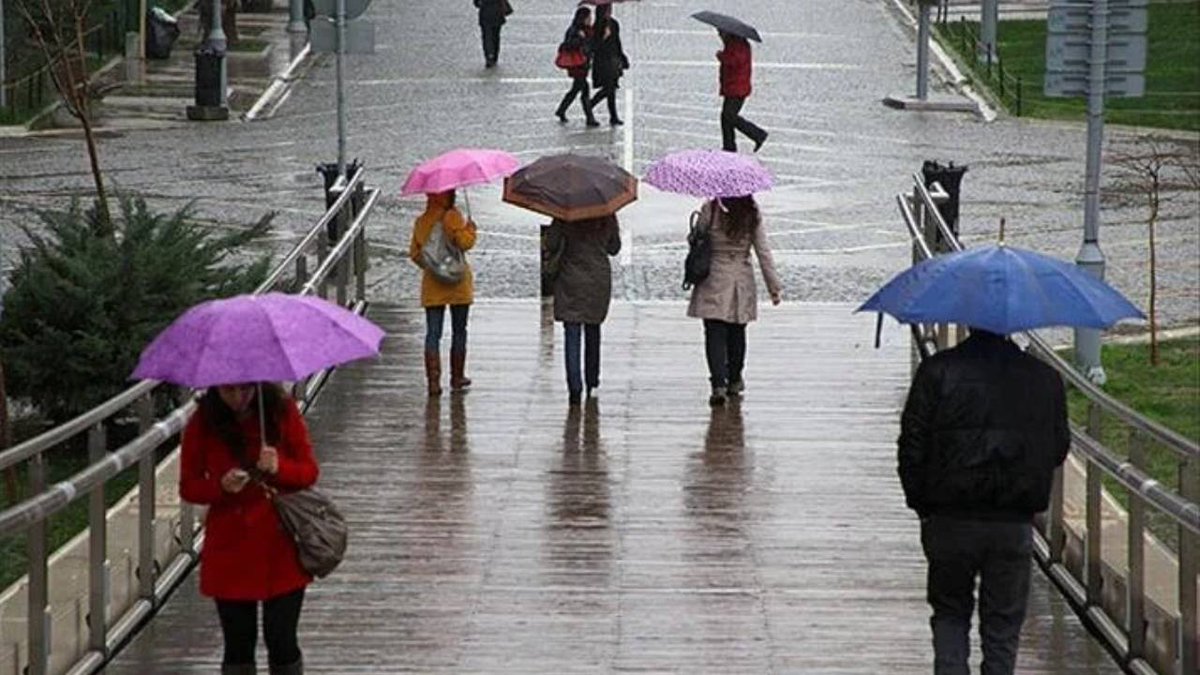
column 1003, row 290
column 728, row 24
column 708, row 173
column 257, row 338
column 459, row 168
column 571, row 187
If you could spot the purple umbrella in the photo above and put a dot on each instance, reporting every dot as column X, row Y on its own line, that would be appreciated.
column 257, row 338
column 709, row 173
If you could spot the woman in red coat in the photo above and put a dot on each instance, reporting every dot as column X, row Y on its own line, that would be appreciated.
column 578, row 38
column 248, row 558
column 735, row 88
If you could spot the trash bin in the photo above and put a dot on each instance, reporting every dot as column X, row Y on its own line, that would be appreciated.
column 950, row 177
column 329, row 174
column 208, row 75
column 161, row 33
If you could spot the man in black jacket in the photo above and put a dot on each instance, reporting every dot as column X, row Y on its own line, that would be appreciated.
column 492, row 14
column 983, row 430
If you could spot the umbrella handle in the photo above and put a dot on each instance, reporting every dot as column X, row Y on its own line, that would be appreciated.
column 467, row 200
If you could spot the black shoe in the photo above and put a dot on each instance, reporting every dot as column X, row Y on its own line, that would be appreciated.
column 562, row 117
column 574, row 398
column 736, row 387
column 592, row 122
column 759, row 141
column 615, row 121
column 718, row 396
column 490, row 63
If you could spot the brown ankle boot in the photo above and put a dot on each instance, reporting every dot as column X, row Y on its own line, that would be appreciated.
column 458, row 364
column 433, row 372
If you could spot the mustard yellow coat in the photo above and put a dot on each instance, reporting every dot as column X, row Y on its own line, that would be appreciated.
column 461, row 233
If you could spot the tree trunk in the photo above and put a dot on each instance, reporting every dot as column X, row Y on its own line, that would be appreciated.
column 1153, row 278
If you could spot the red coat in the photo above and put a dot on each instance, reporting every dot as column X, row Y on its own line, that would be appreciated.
column 247, row 555
column 735, row 68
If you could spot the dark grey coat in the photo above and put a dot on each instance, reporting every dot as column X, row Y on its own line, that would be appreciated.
column 583, row 285
column 491, row 12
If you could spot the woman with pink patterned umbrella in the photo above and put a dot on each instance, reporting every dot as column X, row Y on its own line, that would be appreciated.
column 729, row 225
column 440, row 239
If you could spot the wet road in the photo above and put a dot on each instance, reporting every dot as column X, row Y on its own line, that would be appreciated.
column 839, row 155
column 501, row 531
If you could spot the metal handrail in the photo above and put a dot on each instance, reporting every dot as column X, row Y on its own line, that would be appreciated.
column 31, row 515
column 84, row 421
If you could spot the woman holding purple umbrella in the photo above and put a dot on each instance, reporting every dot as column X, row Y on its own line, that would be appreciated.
column 727, row 300
column 248, row 558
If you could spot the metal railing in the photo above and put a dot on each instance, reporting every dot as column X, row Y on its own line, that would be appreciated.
column 343, row 225
column 1009, row 88
column 1147, row 639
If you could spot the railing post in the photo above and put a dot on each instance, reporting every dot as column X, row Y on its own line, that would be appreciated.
column 1135, row 607
column 1055, row 530
column 38, row 607
column 1189, row 566
column 97, row 549
column 1019, row 93
column 345, row 217
column 1095, row 581
column 146, row 501
column 360, row 265
column 322, row 253
column 301, row 271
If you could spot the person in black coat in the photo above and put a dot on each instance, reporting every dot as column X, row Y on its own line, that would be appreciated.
column 578, row 38
column 982, row 433
column 492, row 15
column 608, row 61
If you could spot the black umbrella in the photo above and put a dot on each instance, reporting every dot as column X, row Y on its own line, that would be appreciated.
column 571, row 187
column 728, row 24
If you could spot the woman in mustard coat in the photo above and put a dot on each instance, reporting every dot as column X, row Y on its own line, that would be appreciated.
column 435, row 295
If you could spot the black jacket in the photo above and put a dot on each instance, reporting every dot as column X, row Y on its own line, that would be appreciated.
column 608, row 57
column 492, row 12
column 982, row 432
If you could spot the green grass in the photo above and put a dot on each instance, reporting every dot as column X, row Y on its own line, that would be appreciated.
column 1168, row 393
column 1172, row 99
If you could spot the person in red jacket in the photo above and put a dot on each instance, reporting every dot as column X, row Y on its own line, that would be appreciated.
column 735, row 88
column 248, row 558
column 578, row 39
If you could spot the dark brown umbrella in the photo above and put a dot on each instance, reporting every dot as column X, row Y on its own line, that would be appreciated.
column 571, row 187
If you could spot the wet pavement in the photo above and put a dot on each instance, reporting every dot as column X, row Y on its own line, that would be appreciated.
column 502, row 531
column 839, row 154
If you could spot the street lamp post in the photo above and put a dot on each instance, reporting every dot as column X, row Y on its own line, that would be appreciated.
column 923, row 50
column 297, row 28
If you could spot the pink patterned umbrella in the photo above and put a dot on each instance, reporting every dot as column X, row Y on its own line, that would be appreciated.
column 709, row 173
column 458, row 169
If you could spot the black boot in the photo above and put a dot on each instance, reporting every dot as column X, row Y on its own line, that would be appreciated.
column 296, row 668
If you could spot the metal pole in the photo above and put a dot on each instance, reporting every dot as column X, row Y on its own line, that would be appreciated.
column 3, row 89
column 923, row 51
column 216, row 38
column 297, row 28
column 1090, row 257
column 97, row 550
column 341, row 94
column 989, row 18
column 142, row 9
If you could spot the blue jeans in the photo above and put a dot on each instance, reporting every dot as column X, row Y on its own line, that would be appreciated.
column 573, row 334
column 435, row 319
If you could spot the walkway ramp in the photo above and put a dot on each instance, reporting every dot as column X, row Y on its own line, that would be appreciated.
column 502, row 532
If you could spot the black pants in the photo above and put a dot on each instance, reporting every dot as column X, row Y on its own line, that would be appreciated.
column 958, row 551
column 725, row 348
column 491, row 41
column 609, row 94
column 731, row 119
column 579, row 87
column 239, row 624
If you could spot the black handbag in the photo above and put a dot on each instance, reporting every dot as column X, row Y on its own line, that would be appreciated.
column 699, row 256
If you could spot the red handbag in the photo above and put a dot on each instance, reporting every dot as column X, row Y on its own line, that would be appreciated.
column 570, row 58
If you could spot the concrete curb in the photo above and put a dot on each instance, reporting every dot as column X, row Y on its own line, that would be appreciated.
column 949, row 68
column 931, row 105
column 280, row 86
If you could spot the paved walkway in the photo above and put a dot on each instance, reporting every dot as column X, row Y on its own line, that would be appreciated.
column 501, row 532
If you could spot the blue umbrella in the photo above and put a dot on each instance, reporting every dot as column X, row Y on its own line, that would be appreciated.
column 1003, row 290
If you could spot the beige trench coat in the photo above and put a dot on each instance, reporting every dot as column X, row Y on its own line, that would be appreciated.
column 729, row 294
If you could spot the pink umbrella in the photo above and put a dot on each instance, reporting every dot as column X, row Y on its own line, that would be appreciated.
column 459, row 168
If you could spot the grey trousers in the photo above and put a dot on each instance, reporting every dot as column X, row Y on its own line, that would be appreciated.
column 999, row 555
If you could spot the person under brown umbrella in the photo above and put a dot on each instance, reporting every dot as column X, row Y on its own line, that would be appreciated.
column 582, row 281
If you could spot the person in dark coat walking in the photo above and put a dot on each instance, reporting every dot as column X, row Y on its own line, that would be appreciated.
column 578, row 38
column 982, row 433
column 608, row 61
column 735, row 89
column 582, row 292
column 492, row 15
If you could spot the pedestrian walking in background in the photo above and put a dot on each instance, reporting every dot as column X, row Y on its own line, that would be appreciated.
column 436, row 295
column 608, row 61
column 492, row 14
column 248, row 557
column 735, row 89
column 576, row 49
column 582, row 278
column 727, row 299
column 983, row 430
